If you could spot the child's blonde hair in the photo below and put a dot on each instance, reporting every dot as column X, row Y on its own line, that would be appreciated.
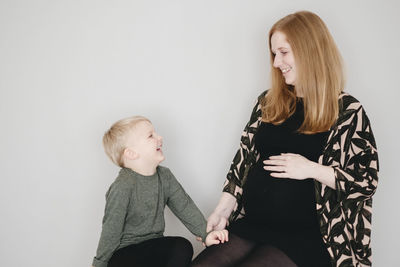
column 114, row 140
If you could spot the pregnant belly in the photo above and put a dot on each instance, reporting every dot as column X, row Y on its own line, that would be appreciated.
column 278, row 201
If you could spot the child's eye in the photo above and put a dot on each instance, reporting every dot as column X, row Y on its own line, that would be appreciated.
column 150, row 136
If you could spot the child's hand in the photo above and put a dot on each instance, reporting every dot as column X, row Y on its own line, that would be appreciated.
column 217, row 237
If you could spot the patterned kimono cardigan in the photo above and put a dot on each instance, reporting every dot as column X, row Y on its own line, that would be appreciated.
column 345, row 213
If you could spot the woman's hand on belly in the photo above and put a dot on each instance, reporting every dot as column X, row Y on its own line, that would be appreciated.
column 295, row 166
column 288, row 165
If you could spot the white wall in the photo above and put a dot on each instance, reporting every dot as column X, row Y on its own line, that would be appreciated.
column 68, row 69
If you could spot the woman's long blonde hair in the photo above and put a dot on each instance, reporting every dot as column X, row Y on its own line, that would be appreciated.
column 320, row 77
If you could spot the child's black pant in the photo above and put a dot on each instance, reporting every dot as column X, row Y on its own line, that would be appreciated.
column 168, row 251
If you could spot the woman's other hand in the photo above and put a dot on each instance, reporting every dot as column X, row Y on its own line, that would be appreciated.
column 216, row 221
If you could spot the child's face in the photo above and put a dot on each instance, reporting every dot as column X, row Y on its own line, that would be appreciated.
column 146, row 143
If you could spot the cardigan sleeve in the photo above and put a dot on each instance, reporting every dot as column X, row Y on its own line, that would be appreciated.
column 245, row 156
column 357, row 176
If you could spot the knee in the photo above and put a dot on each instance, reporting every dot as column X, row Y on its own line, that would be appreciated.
column 182, row 245
column 197, row 263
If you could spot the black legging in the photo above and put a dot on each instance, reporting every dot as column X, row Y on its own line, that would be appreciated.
column 241, row 252
column 159, row 252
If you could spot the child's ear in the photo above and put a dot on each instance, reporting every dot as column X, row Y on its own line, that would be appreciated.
column 130, row 154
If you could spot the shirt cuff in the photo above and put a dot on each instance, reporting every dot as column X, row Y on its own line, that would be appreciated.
column 99, row 263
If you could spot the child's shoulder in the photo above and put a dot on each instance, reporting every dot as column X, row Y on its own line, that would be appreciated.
column 163, row 170
column 123, row 180
column 165, row 174
column 121, row 188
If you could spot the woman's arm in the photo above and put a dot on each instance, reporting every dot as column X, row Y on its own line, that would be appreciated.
column 219, row 218
column 323, row 174
column 355, row 161
column 241, row 163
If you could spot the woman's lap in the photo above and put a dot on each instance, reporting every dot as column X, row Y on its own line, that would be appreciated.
column 268, row 256
column 241, row 252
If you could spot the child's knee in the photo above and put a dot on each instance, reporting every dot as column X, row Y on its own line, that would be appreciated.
column 182, row 245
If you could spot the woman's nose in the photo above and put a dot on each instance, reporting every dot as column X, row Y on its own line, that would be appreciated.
column 277, row 61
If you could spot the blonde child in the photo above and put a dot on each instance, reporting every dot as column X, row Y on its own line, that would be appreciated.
column 133, row 223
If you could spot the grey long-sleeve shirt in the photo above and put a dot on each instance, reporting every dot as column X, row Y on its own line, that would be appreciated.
column 135, row 211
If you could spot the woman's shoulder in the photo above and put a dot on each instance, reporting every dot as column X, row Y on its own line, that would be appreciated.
column 259, row 101
column 262, row 95
column 256, row 112
column 350, row 108
column 348, row 102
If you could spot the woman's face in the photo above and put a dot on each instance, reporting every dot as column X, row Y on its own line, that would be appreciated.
column 284, row 58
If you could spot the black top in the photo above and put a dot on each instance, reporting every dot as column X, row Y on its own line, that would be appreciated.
column 279, row 211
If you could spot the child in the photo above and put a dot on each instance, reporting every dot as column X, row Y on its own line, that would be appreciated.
column 133, row 223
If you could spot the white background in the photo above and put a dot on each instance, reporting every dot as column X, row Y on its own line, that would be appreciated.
column 69, row 69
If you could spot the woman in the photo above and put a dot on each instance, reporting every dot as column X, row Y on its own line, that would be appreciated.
column 299, row 190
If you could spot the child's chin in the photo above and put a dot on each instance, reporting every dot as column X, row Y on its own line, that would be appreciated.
column 161, row 159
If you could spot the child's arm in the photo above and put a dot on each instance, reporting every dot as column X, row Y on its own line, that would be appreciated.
column 183, row 206
column 117, row 201
column 217, row 237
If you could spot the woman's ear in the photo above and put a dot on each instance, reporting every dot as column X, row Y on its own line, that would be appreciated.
column 130, row 154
